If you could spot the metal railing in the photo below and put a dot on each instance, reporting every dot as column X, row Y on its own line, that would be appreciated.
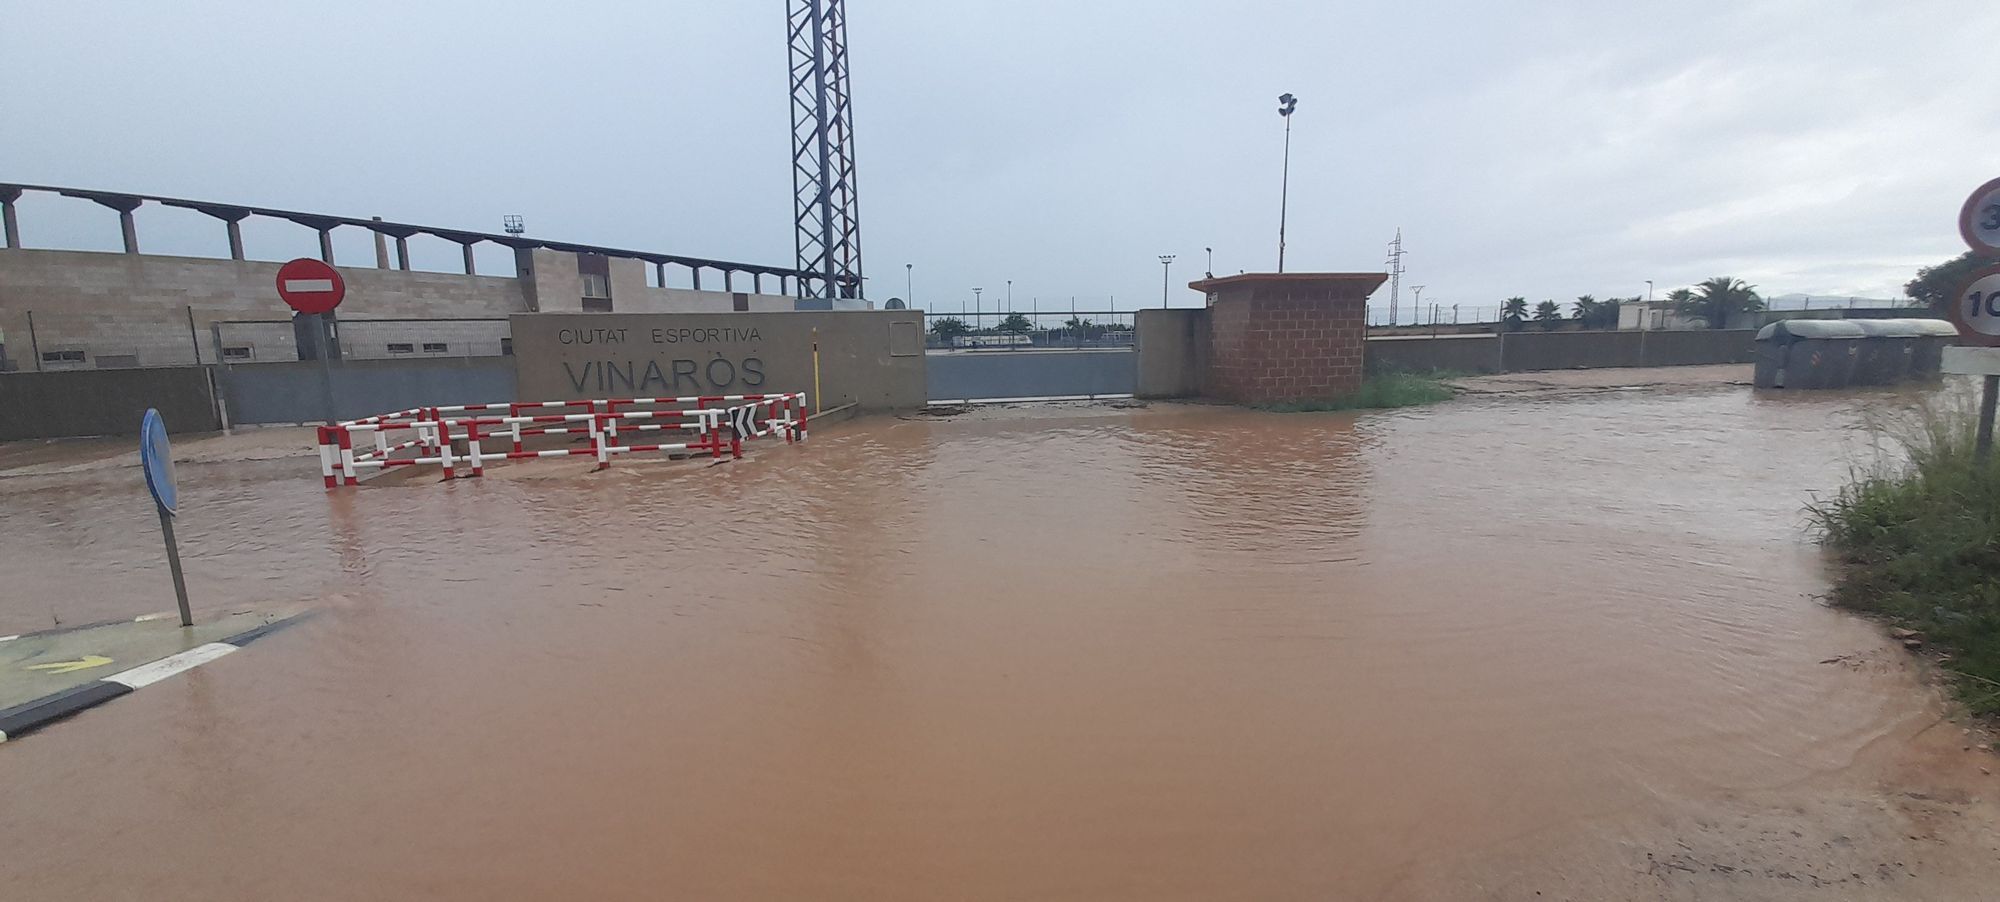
column 232, row 216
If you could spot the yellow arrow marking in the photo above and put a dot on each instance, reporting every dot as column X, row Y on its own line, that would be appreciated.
column 84, row 663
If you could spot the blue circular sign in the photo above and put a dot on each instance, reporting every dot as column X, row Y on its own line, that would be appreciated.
column 156, row 457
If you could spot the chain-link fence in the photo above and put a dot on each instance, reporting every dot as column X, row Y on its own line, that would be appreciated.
column 1030, row 329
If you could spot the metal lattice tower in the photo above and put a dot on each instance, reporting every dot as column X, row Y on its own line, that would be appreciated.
column 826, row 219
column 1395, row 274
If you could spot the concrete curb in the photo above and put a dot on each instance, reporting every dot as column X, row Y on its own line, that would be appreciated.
column 27, row 717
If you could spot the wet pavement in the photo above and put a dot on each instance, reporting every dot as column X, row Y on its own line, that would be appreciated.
column 1174, row 652
column 40, row 664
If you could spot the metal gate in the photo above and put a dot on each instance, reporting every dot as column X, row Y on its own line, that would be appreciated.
column 994, row 375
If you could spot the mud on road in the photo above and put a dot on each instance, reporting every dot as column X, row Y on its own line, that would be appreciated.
column 1541, row 644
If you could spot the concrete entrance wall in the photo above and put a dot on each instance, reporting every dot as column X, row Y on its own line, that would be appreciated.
column 874, row 358
column 1172, row 351
column 978, row 375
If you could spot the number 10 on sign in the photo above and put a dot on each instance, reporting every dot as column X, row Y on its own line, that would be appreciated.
column 1975, row 308
column 1979, row 307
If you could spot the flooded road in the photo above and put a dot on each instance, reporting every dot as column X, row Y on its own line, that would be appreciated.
column 1485, row 649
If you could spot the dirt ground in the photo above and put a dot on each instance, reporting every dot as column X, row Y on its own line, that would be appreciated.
column 1912, row 817
column 1613, row 379
column 81, row 455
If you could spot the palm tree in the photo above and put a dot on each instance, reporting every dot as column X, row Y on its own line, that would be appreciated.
column 1607, row 311
column 1513, row 312
column 946, row 327
column 1549, row 314
column 1586, row 311
column 1715, row 300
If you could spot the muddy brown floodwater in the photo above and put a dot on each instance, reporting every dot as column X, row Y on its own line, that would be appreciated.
column 1555, row 644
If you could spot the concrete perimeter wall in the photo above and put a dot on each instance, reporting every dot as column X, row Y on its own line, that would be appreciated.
column 104, row 402
column 976, row 375
column 1172, row 351
column 874, row 358
column 1516, row 352
column 1457, row 353
column 1522, row 351
column 293, row 393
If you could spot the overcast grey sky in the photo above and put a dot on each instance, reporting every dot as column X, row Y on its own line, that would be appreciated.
column 1546, row 149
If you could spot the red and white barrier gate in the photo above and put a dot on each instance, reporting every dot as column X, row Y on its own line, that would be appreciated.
column 456, row 438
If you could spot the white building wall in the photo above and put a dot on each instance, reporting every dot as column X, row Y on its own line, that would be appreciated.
column 156, row 311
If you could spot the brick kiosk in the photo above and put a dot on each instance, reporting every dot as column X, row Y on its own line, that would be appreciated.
column 1286, row 336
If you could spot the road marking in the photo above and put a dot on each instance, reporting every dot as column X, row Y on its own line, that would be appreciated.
column 308, row 284
column 84, row 663
column 148, row 674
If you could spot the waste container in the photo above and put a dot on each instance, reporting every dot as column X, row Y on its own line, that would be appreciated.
column 1933, row 336
column 1807, row 353
column 1884, row 355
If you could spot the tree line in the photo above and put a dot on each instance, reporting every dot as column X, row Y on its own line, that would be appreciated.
column 1712, row 301
column 945, row 328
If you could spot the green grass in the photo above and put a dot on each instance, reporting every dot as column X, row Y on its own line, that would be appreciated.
column 1381, row 391
column 1919, row 542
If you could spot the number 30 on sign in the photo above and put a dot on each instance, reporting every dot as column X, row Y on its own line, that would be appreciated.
column 1976, row 310
column 1979, row 219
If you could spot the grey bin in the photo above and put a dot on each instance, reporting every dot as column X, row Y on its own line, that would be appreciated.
column 1886, row 348
column 1807, row 353
column 1933, row 336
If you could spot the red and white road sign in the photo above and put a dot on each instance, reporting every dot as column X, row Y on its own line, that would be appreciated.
column 311, row 286
column 1979, row 219
column 1975, row 308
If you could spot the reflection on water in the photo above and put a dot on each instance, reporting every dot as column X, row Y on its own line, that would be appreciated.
column 1175, row 653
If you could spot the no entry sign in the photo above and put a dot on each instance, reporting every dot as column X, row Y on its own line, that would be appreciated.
column 311, row 286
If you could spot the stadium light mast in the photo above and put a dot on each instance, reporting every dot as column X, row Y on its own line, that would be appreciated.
column 826, row 215
column 1286, row 104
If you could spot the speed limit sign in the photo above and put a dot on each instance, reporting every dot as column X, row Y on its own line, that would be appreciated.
column 1975, row 309
column 1979, row 221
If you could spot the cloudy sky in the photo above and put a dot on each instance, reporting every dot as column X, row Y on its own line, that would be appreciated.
column 1545, row 149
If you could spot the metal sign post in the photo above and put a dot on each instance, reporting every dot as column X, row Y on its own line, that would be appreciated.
column 1975, row 308
column 322, row 326
column 314, row 288
column 156, row 458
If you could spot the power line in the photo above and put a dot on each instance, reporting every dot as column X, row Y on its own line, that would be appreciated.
column 1395, row 274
